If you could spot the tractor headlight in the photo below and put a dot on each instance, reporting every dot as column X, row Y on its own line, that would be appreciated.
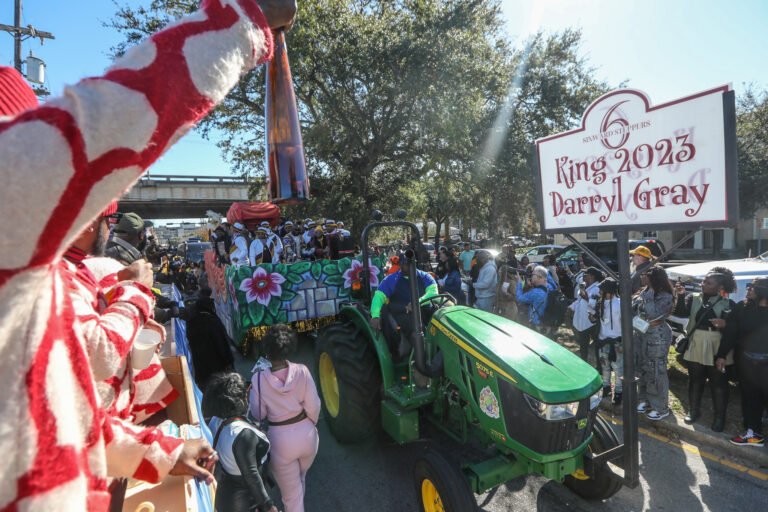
column 552, row 411
column 594, row 400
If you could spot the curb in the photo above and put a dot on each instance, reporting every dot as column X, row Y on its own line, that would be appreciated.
column 701, row 435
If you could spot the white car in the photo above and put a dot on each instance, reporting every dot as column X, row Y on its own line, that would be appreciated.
column 536, row 254
column 744, row 270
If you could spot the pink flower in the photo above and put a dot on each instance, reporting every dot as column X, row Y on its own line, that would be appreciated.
column 352, row 275
column 233, row 294
column 262, row 286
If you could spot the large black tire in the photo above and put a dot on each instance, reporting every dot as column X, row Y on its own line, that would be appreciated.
column 349, row 382
column 441, row 485
column 602, row 486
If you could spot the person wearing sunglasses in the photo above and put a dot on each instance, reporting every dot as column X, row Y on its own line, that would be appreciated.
column 746, row 330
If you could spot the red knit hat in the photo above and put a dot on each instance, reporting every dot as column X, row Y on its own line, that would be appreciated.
column 110, row 210
column 16, row 95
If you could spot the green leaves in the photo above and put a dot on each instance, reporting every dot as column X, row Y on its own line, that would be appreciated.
column 316, row 270
column 255, row 313
column 334, row 281
column 288, row 295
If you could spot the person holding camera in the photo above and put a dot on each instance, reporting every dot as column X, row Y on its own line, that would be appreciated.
column 533, row 292
column 583, row 327
column 607, row 312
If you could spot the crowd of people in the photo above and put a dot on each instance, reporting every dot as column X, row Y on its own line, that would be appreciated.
column 287, row 242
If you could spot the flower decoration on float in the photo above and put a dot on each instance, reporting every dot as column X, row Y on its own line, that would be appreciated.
column 262, row 286
column 352, row 275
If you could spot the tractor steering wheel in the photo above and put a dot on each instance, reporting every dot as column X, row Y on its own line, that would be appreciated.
column 439, row 300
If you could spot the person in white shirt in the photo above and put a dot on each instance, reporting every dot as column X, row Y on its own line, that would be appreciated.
column 272, row 243
column 485, row 286
column 258, row 244
column 238, row 251
column 586, row 286
column 340, row 227
column 608, row 313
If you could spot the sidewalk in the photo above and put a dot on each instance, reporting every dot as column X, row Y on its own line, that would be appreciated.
column 699, row 433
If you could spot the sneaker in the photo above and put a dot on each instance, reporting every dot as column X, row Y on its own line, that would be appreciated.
column 656, row 415
column 749, row 439
column 643, row 407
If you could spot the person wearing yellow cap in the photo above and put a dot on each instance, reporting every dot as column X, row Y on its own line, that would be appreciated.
column 641, row 259
column 318, row 245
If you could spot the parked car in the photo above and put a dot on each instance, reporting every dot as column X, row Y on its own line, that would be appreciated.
column 536, row 254
column 606, row 250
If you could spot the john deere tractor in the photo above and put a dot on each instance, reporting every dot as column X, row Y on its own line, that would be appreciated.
column 485, row 381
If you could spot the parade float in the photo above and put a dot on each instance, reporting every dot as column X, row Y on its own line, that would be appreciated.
column 306, row 295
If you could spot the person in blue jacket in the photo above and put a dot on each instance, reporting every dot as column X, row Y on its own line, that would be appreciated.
column 534, row 293
column 451, row 283
column 394, row 296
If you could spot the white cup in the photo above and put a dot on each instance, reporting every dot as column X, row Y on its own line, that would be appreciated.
column 144, row 347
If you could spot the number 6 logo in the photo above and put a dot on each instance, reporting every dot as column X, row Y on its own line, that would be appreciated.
column 606, row 125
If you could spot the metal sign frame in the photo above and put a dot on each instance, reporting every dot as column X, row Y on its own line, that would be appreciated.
column 628, row 450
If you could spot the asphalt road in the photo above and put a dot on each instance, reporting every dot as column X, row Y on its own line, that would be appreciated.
column 378, row 476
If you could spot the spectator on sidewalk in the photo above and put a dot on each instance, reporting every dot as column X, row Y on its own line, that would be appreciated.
column 746, row 330
column 208, row 342
column 654, row 305
column 242, row 447
column 608, row 315
column 466, row 257
column 452, row 281
column 549, row 264
column 533, row 293
column 285, row 394
column 487, row 278
column 641, row 259
column 584, row 329
column 706, row 312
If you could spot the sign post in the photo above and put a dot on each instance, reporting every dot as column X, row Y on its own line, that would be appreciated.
column 636, row 166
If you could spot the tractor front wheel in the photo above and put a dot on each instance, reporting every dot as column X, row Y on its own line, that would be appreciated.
column 441, row 486
column 349, row 375
column 603, row 485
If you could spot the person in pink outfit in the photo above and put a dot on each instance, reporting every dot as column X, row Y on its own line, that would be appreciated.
column 286, row 396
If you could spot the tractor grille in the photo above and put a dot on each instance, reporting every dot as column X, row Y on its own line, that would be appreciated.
column 540, row 435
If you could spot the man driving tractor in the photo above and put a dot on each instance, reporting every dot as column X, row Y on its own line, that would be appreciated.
column 393, row 297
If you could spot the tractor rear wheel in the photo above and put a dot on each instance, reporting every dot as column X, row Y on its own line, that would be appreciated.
column 349, row 375
column 603, row 485
column 441, row 485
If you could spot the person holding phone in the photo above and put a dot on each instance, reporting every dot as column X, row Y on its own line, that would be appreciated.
column 706, row 312
column 584, row 328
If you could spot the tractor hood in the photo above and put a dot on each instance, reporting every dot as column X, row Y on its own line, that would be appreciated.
column 535, row 364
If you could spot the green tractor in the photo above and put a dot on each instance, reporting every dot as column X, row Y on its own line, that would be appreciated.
column 481, row 379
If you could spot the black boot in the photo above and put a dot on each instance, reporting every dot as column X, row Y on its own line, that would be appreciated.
column 720, row 402
column 695, row 390
column 616, row 399
column 606, row 391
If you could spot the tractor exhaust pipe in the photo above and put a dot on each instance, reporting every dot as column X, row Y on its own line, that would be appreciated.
column 435, row 369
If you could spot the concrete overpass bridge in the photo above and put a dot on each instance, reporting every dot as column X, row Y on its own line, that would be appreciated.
column 183, row 197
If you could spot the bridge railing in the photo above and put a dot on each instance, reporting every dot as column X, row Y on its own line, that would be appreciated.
column 183, row 178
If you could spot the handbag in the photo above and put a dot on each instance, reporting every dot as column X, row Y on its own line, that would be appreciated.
column 640, row 324
column 683, row 341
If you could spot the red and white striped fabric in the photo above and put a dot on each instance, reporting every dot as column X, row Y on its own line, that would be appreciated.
column 60, row 165
column 130, row 394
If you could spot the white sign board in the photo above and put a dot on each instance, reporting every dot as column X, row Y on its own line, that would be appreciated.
column 633, row 164
column 765, row 222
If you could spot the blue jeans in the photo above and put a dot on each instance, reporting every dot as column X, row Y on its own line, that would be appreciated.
column 484, row 303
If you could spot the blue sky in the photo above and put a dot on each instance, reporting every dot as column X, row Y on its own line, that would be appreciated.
column 666, row 48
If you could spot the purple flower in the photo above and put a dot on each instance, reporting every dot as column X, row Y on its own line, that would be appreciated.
column 352, row 275
column 262, row 286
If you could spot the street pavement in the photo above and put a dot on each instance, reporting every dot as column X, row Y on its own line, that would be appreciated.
column 378, row 476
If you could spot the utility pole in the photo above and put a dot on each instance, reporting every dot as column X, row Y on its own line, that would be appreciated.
column 19, row 32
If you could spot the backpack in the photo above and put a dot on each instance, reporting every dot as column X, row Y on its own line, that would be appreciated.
column 557, row 304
